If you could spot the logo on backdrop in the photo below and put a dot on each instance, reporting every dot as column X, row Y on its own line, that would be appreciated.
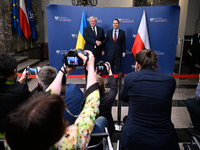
column 125, row 20
column 158, row 19
column 61, row 52
column 63, row 19
column 159, row 53
column 75, row 36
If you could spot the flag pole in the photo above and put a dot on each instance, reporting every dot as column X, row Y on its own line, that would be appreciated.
column 31, row 43
column 25, row 44
column 18, row 44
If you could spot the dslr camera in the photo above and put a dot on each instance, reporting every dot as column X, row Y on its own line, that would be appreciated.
column 101, row 67
column 71, row 58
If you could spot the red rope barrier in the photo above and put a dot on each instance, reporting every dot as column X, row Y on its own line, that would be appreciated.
column 116, row 76
column 30, row 76
column 186, row 76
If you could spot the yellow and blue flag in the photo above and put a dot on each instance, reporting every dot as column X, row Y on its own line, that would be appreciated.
column 80, row 43
column 31, row 19
column 15, row 18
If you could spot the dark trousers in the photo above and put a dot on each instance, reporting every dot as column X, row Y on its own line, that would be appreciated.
column 193, row 108
column 118, row 61
column 97, row 56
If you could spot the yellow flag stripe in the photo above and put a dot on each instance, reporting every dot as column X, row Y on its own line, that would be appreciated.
column 80, row 41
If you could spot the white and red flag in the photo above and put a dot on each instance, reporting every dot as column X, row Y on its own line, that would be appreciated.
column 142, row 37
column 24, row 23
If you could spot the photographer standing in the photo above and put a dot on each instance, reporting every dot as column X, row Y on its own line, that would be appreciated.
column 107, row 98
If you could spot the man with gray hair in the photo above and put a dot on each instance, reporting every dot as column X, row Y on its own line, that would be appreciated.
column 70, row 93
column 93, row 36
column 46, row 75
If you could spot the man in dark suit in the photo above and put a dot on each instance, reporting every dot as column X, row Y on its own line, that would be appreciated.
column 117, row 45
column 93, row 35
column 195, row 51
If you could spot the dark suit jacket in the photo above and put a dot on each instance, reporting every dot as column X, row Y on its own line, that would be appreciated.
column 90, row 39
column 195, row 44
column 11, row 95
column 115, row 48
column 148, row 125
column 195, row 50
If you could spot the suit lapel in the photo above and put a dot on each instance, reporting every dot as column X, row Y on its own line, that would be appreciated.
column 112, row 35
column 119, row 34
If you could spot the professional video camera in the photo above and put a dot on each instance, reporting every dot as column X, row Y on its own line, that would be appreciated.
column 71, row 58
column 101, row 67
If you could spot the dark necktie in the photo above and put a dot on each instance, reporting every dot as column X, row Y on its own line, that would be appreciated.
column 115, row 36
column 94, row 31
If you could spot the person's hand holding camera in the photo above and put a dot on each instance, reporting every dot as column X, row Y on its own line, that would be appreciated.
column 69, row 69
column 108, row 67
column 24, row 76
column 89, row 62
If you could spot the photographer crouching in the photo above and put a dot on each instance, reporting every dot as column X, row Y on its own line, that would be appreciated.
column 107, row 98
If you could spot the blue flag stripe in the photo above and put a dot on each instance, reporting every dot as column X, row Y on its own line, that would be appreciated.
column 31, row 19
column 15, row 18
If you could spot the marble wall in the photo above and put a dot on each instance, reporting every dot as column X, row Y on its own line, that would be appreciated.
column 11, row 42
column 140, row 3
column 5, row 27
column 156, row 2
column 165, row 2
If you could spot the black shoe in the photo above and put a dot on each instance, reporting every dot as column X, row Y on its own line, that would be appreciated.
column 194, row 132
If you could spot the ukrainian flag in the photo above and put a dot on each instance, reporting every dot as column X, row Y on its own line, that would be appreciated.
column 80, row 43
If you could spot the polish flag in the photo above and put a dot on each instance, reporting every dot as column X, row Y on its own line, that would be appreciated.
column 24, row 24
column 142, row 37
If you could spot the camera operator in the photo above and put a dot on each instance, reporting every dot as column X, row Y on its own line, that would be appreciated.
column 107, row 98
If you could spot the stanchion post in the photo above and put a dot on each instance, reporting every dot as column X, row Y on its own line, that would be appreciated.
column 119, row 103
column 181, row 56
column 179, row 69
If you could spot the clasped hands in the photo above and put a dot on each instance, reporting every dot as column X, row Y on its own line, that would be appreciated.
column 98, row 43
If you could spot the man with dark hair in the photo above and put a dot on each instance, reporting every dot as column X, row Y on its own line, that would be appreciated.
column 116, row 47
column 12, row 92
column 195, row 51
column 93, row 35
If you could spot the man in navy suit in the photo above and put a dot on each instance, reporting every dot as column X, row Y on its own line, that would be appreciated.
column 93, row 35
column 117, row 45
